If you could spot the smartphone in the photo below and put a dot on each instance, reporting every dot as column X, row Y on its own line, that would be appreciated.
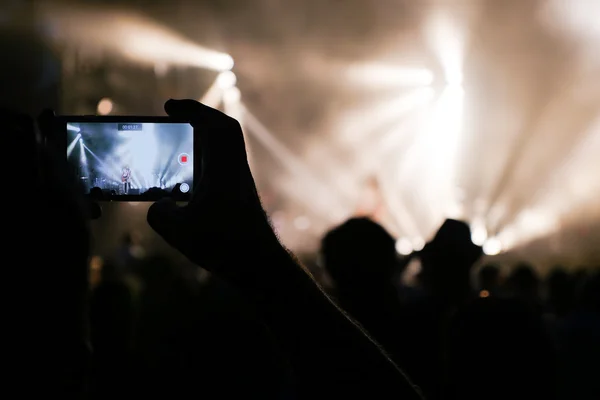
column 130, row 158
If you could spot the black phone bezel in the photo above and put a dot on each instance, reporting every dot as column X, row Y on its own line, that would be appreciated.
column 61, row 142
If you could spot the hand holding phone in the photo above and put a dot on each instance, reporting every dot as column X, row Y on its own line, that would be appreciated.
column 223, row 227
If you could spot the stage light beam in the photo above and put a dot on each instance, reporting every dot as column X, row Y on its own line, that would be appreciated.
column 377, row 75
column 130, row 35
column 72, row 145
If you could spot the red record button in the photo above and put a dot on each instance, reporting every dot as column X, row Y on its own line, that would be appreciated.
column 184, row 159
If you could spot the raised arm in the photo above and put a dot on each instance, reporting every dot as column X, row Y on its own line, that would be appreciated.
column 225, row 230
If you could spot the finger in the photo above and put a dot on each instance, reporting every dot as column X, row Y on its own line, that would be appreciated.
column 166, row 218
column 190, row 110
column 220, row 134
column 223, row 149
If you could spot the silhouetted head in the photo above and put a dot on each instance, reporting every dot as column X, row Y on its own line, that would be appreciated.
column 359, row 252
column 524, row 282
column 448, row 258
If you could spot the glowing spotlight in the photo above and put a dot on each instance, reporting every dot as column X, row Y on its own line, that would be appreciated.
column 105, row 106
column 226, row 80
column 478, row 234
column 73, row 128
column 492, row 247
column 404, row 247
column 232, row 96
column 484, row 293
column 226, row 62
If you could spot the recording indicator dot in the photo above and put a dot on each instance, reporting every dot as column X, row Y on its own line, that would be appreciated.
column 184, row 158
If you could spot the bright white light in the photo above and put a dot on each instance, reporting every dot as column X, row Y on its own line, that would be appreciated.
column 302, row 223
column 82, row 156
column 132, row 36
column 105, row 106
column 73, row 128
column 447, row 40
column 492, row 247
column 404, row 247
column 478, row 234
column 184, row 188
column 435, row 175
column 418, row 244
column 357, row 126
column 72, row 145
column 227, row 62
column 226, row 80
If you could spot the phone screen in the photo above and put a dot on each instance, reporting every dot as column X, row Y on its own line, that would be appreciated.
column 129, row 158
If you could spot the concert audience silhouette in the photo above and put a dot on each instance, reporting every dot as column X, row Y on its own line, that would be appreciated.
column 261, row 326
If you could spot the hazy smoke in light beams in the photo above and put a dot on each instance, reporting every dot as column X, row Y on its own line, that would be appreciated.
column 307, row 187
column 358, row 126
column 571, row 193
column 129, row 35
column 433, row 157
column 360, row 130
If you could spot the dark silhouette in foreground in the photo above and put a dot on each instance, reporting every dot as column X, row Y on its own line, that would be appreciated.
column 498, row 349
column 361, row 258
column 223, row 229
column 446, row 261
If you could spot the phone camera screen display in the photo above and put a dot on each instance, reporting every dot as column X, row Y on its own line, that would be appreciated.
column 131, row 158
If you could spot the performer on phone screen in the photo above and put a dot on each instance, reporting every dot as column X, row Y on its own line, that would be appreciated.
column 126, row 179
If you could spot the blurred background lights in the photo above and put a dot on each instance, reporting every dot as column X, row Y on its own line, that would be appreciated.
column 492, row 247
column 478, row 234
column 105, row 106
column 415, row 117
column 404, row 247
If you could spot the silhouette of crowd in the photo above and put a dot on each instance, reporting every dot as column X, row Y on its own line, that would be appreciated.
column 261, row 326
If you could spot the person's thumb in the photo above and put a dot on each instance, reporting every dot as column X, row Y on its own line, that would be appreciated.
column 187, row 110
column 165, row 217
